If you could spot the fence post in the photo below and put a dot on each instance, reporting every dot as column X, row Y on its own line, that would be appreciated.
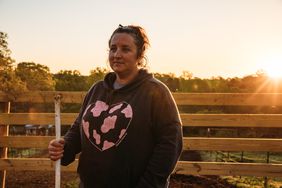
column 266, row 178
column 4, row 131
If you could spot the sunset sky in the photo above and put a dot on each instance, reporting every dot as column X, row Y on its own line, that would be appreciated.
column 225, row 38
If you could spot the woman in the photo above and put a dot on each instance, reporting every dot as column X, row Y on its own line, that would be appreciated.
column 128, row 130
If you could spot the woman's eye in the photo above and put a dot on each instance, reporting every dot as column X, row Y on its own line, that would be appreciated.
column 126, row 49
column 112, row 49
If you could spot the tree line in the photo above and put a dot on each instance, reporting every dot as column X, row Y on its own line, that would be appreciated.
column 31, row 76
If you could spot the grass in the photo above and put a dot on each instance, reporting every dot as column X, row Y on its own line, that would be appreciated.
column 253, row 182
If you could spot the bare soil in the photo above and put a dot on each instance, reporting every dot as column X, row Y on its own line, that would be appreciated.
column 36, row 179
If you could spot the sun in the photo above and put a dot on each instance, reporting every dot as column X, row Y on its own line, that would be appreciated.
column 273, row 68
column 274, row 72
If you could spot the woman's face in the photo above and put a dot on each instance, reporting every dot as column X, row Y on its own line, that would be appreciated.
column 123, row 54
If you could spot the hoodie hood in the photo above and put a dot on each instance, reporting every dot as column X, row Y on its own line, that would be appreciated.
column 142, row 76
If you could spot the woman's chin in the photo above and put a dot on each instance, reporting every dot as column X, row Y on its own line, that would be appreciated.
column 117, row 69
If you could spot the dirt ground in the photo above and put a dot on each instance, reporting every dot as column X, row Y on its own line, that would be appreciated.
column 36, row 179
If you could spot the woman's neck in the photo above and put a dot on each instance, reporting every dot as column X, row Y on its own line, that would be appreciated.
column 126, row 78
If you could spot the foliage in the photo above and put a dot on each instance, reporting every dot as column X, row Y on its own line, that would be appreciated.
column 36, row 76
column 6, row 61
column 67, row 80
column 96, row 75
column 186, row 75
column 32, row 76
column 170, row 80
column 10, row 83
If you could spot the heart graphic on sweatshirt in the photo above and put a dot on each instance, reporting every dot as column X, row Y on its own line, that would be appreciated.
column 106, row 126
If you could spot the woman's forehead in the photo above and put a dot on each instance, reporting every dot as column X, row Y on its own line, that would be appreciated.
column 122, row 38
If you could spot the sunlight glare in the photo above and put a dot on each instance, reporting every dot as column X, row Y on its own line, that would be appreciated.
column 273, row 68
column 274, row 71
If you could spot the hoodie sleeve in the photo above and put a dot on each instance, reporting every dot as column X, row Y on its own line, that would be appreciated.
column 72, row 137
column 72, row 143
column 167, row 131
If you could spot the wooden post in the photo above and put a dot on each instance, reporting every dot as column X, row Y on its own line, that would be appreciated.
column 266, row 178
column 58, row 136
column 4, row 131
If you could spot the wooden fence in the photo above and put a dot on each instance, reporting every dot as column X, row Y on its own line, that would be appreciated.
column 190, row 143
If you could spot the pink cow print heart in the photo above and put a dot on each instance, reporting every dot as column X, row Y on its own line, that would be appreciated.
column 106, row 126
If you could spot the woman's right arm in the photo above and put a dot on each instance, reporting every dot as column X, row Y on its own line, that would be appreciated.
column 72, row 144
column 66, row 148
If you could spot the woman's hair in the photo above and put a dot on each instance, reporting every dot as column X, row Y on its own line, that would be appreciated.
column 140, row 38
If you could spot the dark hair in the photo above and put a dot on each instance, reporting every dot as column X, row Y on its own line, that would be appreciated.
column 140, row 38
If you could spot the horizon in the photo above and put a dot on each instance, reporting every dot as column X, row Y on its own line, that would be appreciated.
column 259, row 72
column 167, row 73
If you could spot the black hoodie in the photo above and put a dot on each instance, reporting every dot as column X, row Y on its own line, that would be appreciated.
column 128, row 137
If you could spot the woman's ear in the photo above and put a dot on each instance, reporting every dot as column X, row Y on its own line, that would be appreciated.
column 139, row 61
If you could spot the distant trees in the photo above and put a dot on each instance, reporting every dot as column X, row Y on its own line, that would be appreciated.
column 6, row 62
column 96, row 75
column 9, row 82
column 67, row 80
column 170, row 80
column 32, row 76
column 36, row 76
column 259, row 82
column 26, row 76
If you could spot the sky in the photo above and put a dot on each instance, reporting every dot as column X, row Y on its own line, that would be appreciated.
column 227, row 38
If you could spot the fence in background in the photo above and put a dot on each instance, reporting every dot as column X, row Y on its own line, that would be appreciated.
column 202, row 143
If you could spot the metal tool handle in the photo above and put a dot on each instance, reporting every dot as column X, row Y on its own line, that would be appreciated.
column 58, row 136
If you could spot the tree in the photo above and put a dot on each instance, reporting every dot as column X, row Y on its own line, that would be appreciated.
column 234, row 84
column 67, row 80
column 186, row 75
column 6, row 62
column 185, row 81
column 96, row 75
column 170, row 80
column 9, row 82
column 36, row 76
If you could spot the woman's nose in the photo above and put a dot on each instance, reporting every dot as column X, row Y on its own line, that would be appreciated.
column 117, row 53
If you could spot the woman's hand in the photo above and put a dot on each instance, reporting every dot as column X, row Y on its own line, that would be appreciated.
column 56, row 149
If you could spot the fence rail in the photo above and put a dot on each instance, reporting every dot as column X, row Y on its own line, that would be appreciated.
column 190, row 143
column 189, row 120
column 195, row 120
column 256, row 99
